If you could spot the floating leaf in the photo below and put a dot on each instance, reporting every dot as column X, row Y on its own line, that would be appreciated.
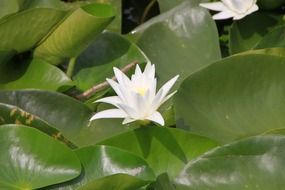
column 69, row 116
column 162, row 183
column 255, row 163
column 165, row 149
column 30, row 159
column 14, row 115
column 22, row 31
column 165, row 5
column 33, row 74
column 8, row 7
column 75, row 33
column 5, row 56
column 268, row 51
column 180, row 41
column 96, row 63
column 28, row 4
column 234, row 98
column 247, row 32
column 275, row 38
column 270, row 4
column 107, row 167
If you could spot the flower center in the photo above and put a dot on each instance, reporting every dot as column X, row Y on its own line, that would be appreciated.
column 140, row 90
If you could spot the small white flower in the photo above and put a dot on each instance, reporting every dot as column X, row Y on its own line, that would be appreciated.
column 236, row 9
column 137, row 98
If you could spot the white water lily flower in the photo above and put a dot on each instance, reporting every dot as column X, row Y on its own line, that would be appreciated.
column 137, row 98
column 236, row 9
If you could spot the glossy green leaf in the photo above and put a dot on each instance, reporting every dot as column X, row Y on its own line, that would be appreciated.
column 75, row 33
column 116, row 181
column 247, row 32
column 180, row 41
column 33, row 74
column 280, row 131
column 110, row 168
column 66, row 114
column 256, row 164
column 8, row 7
column 165, row 5
column 268, row 51
column 56, row 4
column 116, row 24
column 22, row 31
column 165, row 149
column 13, row 115
column 162, row 183
column 96, row 63
column 270, row 4
column 237, row 97
column 276, row 38
column 5, row 56
column 31, row 159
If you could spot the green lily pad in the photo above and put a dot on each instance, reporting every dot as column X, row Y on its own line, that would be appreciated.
column 275, row 38
column 5, row 56
column 96, row 63
column 8, row 7
column 165, row 5
column 268, row 51
column 179, row 41
column 162, row 182
column 270, row 4
column 116, row 24
column 22, row 31
column 116, row 181
column 56, row 4
column 110, row 168
column 13, row 115
column 33, row 74
column 66, row 114
column 75, row 33
column 246, row 33
column 165, row 149
column 256, row 164
column 234, row 98
column 30, row 159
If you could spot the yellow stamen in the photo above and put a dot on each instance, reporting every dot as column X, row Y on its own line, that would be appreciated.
column 141, row 90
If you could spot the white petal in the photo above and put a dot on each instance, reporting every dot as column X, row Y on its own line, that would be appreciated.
column 117, row 89
column 128, row 120
column 239, row 16
column 152, row 89
column 215, row 6
column 223, row 15
column 121, row 77
column 138, row 70
column 157, row 118
column 114, row 100
column 252, row 9
column 141, row 104
column 167, row 86
column 240, row 7
column 124, row 84
column 131, row 112
column 157, row 100
column 114, row 85
column 111, row 113
column 149, row 70
column 167, row 97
